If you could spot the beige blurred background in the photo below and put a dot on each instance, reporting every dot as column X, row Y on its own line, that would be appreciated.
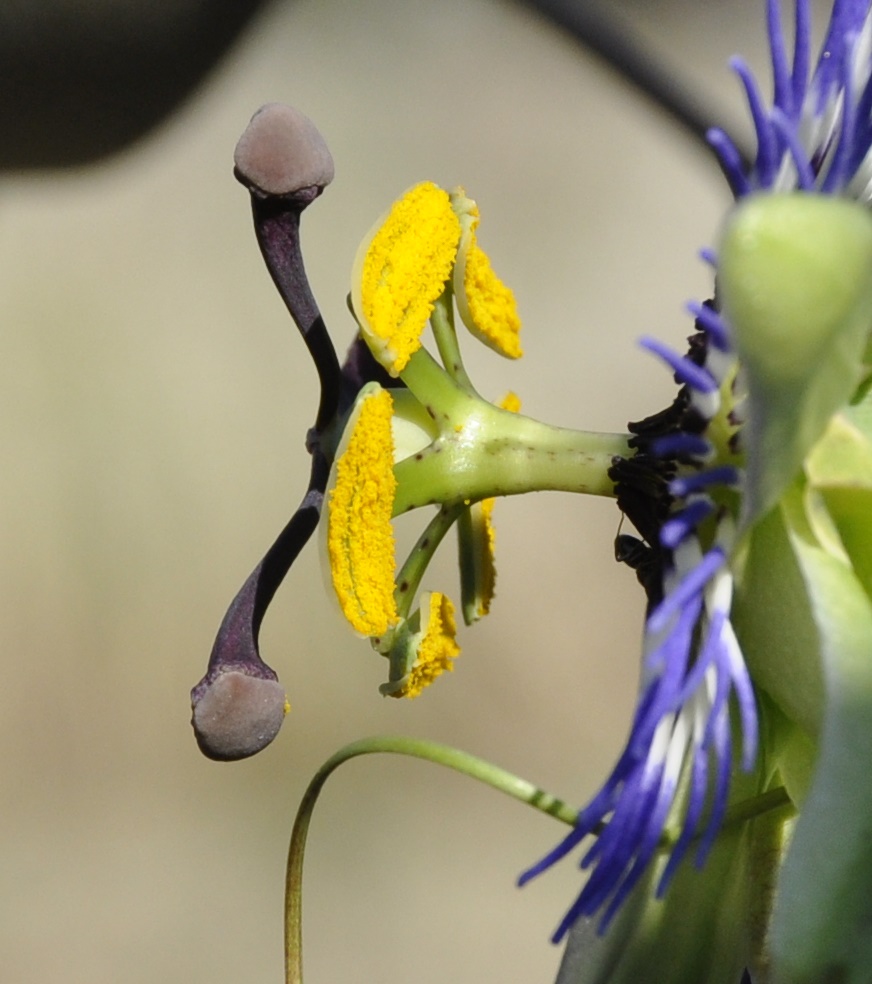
column 154, row 403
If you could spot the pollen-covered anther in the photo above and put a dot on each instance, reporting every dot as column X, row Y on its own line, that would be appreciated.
column 477, row 541
column 360, row 538
column 487, row 306
column 488, row 552
column 435, row 647
column 401, row 270
column 281, row 153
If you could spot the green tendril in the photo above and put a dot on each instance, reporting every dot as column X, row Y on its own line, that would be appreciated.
column 469, row 765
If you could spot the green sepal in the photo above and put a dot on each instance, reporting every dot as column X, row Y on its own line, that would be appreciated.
column 772, row 618
column 820, row 930
column 795, row 283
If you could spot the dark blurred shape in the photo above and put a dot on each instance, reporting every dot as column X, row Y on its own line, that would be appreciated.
column 81, row 79
column 603, row 29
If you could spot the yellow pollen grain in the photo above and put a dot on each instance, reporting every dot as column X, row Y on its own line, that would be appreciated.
column 406, row 267
column 438, row 647
column 360, row 538
column 491, row 304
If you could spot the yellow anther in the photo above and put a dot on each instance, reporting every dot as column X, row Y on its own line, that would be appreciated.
column 478, row 547
column 484, row 538
column 360, row 538
column 486, row 305
column 437, row 647
column 400, row 271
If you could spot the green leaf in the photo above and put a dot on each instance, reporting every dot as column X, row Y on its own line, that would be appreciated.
column 772, row 618
column 795, row 283
column 821, row 925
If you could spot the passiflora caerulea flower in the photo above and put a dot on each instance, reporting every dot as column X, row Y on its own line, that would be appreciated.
column 734, row 835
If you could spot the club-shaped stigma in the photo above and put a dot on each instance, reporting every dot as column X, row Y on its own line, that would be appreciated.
column 282, row 159
column 284, row 162
column 282, row 153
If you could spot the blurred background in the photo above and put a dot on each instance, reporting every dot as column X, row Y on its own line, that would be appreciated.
column 154, row 404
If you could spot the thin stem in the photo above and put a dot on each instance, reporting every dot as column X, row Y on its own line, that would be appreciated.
column 739, row 813
column 277, row 227
column 410, row 574
column 612, row 39
column 237, row 640
column 755, row 806
column 445, row 333
column 236, row 645
column 445, row 399
column 452, row 758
